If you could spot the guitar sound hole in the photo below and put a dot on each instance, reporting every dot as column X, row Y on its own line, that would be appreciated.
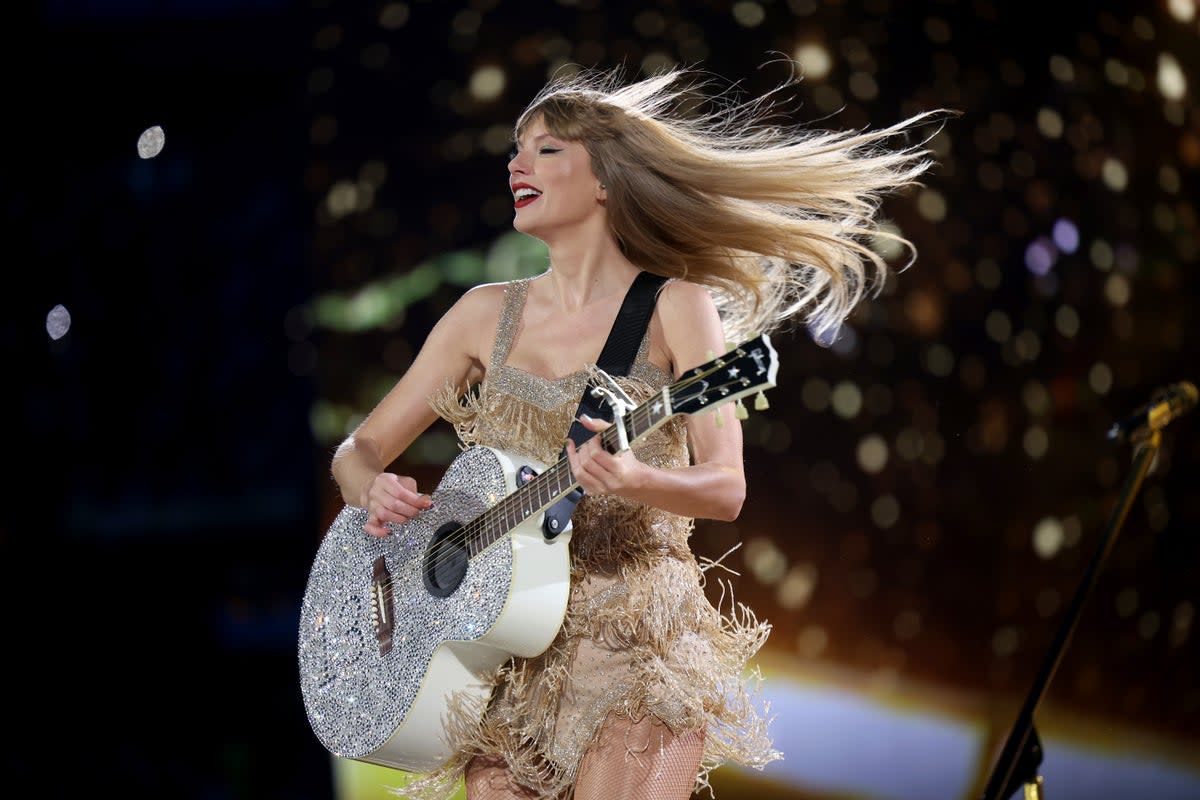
column 446, row 560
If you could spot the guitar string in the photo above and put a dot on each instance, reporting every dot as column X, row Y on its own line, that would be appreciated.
column 519, row 500
column 516, row 501
column 453, row 544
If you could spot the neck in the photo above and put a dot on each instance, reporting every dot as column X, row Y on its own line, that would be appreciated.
column 584, row 269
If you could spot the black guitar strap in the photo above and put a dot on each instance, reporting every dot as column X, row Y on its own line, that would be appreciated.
column 616, row 358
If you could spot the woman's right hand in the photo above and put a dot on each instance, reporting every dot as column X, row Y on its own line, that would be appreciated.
column 393, row 498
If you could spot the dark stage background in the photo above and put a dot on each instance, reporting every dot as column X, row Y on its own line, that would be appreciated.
column 925, row 491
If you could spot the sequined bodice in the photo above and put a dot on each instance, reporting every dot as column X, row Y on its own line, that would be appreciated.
column 550, row 393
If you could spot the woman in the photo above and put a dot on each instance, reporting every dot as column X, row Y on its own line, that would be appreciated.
column 642, row 693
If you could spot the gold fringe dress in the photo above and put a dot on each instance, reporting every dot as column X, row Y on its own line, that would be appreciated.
column 639, row 636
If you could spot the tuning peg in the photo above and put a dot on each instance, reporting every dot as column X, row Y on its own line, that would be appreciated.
column 739, row 410
column 760, row 402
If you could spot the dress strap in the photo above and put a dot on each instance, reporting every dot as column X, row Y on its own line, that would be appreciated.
column 510, row 316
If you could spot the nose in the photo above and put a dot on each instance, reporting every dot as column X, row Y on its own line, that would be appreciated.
column 516, row 164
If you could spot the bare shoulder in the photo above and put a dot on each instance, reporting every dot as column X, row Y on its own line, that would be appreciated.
column 476, row 310
column 691, row 325
column 481, row 300
column 683, row 302
column 472, row 323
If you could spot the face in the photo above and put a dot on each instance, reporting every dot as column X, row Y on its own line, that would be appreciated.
column 554, row 188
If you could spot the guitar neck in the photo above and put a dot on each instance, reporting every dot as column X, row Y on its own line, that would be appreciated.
column 547, row 487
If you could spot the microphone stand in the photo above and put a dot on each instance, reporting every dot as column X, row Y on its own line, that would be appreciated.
column 1022, row 754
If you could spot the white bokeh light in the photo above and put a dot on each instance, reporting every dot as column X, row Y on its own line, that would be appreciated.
column 151, row 142
column 58, row 322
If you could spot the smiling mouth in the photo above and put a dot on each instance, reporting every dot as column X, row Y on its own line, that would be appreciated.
column 524, row 197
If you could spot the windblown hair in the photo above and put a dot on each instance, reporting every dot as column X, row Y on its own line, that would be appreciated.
column 777, row 221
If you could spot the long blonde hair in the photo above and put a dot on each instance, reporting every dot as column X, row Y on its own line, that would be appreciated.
column 776, row 221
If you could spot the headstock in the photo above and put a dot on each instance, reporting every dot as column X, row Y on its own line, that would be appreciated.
column 748, row 368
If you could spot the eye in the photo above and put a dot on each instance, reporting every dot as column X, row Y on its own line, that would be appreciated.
column 549, row 150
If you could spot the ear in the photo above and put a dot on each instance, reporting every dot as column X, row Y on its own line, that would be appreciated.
column 601, row 192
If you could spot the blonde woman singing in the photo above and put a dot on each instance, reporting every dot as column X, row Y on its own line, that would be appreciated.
column 643, row 691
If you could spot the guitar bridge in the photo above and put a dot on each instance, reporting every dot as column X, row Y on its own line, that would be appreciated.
column 381, row 605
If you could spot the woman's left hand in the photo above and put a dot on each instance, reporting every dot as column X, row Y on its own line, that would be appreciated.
column 599, row 471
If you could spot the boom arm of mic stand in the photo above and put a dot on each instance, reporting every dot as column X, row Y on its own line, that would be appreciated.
column 1022, row 754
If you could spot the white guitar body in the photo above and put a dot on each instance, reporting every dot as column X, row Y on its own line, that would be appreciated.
column 527, row 624
column 397, row 632
column 455, row 641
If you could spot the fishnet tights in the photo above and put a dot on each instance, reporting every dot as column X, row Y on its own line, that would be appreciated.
column 630, row 760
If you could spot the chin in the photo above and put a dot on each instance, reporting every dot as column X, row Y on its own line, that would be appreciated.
column 523, row 226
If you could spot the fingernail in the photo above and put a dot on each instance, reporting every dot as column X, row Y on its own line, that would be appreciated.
column 585, row 417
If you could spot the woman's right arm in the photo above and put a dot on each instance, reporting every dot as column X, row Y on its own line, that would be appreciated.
column 454, row 352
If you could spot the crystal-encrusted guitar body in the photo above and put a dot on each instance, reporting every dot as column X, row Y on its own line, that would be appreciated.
column 395, row 631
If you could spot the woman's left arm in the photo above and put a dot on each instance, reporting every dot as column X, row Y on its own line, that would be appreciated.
column 714, row 485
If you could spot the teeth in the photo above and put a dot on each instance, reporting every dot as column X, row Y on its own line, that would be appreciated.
column 523, row 193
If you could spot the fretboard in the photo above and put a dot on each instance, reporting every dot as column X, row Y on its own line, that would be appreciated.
column 546, row 488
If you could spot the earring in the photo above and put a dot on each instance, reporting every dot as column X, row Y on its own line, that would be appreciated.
column 603, row 188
